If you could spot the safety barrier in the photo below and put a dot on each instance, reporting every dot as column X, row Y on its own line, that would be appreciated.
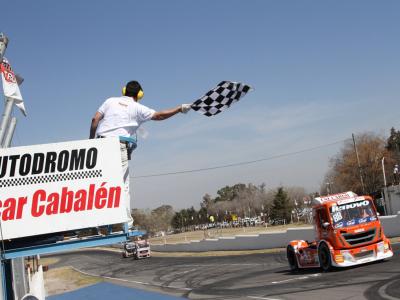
column 391, row 225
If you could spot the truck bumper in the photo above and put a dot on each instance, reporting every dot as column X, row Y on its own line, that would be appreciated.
column 143, row 253
column 353, row 257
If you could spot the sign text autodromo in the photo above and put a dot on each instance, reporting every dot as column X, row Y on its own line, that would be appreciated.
column 48, row 162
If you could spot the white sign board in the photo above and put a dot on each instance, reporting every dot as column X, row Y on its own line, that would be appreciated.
column 336, row 197
column 59, row 187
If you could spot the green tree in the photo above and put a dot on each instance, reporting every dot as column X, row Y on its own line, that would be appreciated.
column 202, row 216
column 176, row 221
column 181, row 219
column 192, row 216
column 393, row 143
column 281, row 206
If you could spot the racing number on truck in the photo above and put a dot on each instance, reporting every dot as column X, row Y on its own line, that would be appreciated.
column 337, row 216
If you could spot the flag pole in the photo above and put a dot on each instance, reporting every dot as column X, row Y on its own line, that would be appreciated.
column 16, row 269
column 5, row 119
column 10, row 132
column 3, row 45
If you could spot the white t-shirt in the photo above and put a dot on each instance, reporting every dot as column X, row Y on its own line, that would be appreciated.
column 122, row 116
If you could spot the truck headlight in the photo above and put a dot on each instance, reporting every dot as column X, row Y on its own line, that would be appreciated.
column 386, row 246
column 339, row 258
column 381, row 246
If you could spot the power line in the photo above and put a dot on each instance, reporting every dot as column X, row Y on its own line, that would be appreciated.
column 240, row 163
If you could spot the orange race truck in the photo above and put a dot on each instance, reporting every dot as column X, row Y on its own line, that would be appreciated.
column 348, row 233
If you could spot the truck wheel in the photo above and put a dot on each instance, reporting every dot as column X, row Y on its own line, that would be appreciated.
column 291, row 257
column 324, row 256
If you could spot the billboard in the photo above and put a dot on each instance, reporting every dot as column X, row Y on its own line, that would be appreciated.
column 58, row 187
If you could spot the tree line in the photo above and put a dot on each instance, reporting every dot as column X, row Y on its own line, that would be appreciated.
column 359, row 167
column 232, row 203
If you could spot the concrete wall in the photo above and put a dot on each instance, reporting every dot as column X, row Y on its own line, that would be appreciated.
column 392, row 199
column 391, row 226
column 241, row 242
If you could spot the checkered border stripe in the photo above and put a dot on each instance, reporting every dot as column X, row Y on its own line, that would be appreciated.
column 50, row 178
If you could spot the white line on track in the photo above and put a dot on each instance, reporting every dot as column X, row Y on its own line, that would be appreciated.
column 297, row 278
column 383, row 294
column 254, row 297
column 133, row 281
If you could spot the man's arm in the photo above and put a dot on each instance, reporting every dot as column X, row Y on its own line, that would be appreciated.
column 165, row 114
column 95, row 122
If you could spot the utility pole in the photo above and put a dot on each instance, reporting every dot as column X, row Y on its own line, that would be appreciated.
column 328, row 188
column 3, row 45
column 383, row 171
column 359, row 165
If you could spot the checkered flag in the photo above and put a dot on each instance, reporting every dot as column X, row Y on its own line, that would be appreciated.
column 220, row 98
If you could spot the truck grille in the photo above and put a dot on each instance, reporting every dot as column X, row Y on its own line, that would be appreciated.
column 364, row 254
column 359, row 238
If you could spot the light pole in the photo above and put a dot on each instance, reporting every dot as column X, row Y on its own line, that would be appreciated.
column 383, row 170
column 359, row 165
column 328, row 188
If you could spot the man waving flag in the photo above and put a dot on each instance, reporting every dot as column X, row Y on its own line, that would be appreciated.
column 220, row 98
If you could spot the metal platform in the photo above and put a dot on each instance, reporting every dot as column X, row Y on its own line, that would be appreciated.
column 73, row 244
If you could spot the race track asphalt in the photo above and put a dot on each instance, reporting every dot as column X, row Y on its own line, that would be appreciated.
column 254, row 276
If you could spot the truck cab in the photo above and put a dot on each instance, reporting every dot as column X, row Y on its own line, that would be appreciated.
column 348, row 232
column 137, row 248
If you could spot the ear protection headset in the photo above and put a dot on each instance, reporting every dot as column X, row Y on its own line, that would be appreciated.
column 139, row 95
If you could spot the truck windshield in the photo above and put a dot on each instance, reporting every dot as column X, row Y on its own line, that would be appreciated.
column 353, row 213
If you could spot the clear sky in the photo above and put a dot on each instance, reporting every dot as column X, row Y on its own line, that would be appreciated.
column 321, row 70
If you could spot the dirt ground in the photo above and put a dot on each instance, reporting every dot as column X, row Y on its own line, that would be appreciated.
column 64, row 279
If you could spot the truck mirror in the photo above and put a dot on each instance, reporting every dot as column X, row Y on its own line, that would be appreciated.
column 325, row 225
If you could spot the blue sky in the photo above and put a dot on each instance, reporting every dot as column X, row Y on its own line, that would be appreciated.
column 321, row 70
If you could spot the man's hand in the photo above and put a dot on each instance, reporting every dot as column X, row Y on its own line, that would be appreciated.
column 185, row 108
